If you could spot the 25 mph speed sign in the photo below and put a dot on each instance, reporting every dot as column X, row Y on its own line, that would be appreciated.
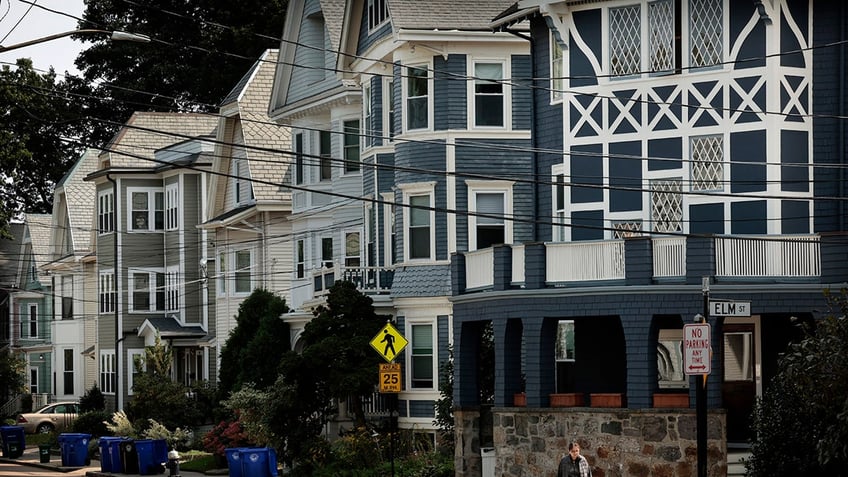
column 696, row 349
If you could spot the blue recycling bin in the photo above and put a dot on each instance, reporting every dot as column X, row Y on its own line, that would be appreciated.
column 14, row 441
column 110, row 454
column 152, row 455
column 74, row 449
column 252, row 462
column 234, row 461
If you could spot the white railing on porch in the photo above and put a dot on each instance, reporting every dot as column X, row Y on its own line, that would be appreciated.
column 768, row 256
column 518, row 264
column 578, row 261
column 479, row 268
column 669, row 257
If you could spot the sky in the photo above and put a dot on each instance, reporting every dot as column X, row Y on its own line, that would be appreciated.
column 38, row 23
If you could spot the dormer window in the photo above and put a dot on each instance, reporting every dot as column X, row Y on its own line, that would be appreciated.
column 378, row 13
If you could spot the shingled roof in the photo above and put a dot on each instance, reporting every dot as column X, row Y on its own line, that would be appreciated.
column 468, row 15
column 40, row 231
column 80, row 199
column 146, row 132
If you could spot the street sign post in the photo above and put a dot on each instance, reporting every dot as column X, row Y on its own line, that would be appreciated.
column 389, row 342
column 390, row 377
column 696, row 349
column 730, row 308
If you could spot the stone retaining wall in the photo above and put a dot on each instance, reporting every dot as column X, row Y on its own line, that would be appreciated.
column 617, row 442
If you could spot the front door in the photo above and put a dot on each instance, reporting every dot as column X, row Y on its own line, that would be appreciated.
column 739, row 390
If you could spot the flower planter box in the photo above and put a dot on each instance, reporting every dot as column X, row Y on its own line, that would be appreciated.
column 519, row 400
column 566, row 399
column 671, row 400
column 606, row 399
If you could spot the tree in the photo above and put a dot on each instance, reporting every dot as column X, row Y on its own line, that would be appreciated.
column 801, row 423
column 337, row 342
column 255, row 347
column 38, row 115
column 213, row 40
column 12, row 375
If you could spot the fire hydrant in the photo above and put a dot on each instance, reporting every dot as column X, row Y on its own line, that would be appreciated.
column 174, row 463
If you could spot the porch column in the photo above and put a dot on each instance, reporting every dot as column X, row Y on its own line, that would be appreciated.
column 507, row 360
column 539, row 338
column 466, row 363
column 502, row 262
column 457, row 267
column 535, row 269
column 638, row 261
column 641, row 360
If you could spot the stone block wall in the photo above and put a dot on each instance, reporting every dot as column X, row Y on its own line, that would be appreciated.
column 617, row 442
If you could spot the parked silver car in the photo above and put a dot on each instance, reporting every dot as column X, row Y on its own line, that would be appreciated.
column 53, row 417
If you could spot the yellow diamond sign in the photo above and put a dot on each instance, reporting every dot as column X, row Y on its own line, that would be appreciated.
column 389, row 342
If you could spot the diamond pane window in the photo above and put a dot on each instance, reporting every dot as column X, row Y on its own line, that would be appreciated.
column 625, row 229
column 666, row 205
column 661, row 31
column 625, row 40
column 707, row 163
column 705, row 29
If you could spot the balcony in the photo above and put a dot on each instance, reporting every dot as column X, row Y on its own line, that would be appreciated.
column 645, row 261
column 368, row 280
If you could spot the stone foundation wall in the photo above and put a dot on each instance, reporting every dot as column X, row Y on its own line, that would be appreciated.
column 616, row 442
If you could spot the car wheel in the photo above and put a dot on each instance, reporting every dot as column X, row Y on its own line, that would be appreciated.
column 44, row 428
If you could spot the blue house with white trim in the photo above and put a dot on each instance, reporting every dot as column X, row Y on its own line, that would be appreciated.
column 685, row 151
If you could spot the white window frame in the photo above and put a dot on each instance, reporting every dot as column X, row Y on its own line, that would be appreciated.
column 351, row 166
column 417, row 190
column 173, row 288
column 389, row 228
column 559, row 233
column 107, row 292
column 151, row 208
column 434, row 372
column 640, row 43
column 152, row 290
column 561, row 352
column 172, row 206
column 238, row 273
column 107, row 371
column 691, row 44
column 376, row 10
column 504, row 94
column 489, row 187
column 300, row 258
column 327, row 262
column 106, row 212
column 131, row 354
column 358, row 256
column 366, row 129
column 557, row 69
column 389, row 131
column 427, row 68
column 32, row 320
column 66, row 373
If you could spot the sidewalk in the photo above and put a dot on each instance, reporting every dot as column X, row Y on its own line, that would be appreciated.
column 30, row 458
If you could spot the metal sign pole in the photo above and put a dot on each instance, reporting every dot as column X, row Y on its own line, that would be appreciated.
column 701, row 394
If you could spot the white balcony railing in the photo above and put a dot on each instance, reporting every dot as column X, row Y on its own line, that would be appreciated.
column 669, row 257
column 768, row 256
column 518, row 264
column 579, row 261
column 479, row 268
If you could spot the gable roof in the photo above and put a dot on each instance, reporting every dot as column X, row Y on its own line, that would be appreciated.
column 39, row 226
column 79, row 200
column 146, row 132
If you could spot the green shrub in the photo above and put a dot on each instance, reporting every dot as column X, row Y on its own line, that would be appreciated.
column 92, row 422
column 92, row 400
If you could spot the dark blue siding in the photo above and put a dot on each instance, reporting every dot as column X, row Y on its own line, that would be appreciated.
column 367, row 40
column 795, row 217
column 522, row 99
column 547, row 126
column 587, row 167
column 793, row 159
column 450, row 93
column 625, row 173
column 748, row 217
column 706, row 219
column 665, row 154
column 496, row 162
column 427, row 156
column 745, row 148
column 753, row 50
column 376, row 112
column 588, row 23
column 587, row 225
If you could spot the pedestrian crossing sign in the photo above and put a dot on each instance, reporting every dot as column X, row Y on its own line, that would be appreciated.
column 389, row 342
